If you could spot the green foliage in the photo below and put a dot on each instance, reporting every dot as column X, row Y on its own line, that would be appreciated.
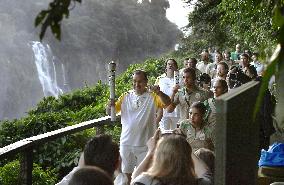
column 10, row 172
column 249, row 22
column 53, row 16
column 205, row 29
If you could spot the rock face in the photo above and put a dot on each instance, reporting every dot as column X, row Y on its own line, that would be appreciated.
column 96, row 32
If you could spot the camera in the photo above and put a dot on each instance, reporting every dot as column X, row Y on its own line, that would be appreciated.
column 237, row 77
column 166, row 132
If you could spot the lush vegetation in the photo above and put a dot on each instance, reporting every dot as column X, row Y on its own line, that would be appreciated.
column 10, row 172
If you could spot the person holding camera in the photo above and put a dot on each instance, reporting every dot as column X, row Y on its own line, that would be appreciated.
column 187, row 95
column 242, row 74
column 171, row 161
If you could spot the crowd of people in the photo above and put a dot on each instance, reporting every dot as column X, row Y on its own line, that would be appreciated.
column 168, row 130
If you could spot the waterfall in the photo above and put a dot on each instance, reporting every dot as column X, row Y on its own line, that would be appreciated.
column 46, row 68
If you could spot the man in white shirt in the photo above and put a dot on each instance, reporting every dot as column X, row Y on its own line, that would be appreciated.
column 204, row 61
column 166, row 82
column 138, row 109
column 258, row 66
column 211, row 68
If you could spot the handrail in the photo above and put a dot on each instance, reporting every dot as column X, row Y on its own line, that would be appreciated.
column 26, row 145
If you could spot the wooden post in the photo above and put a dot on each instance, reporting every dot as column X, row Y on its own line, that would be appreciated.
column 26, row 167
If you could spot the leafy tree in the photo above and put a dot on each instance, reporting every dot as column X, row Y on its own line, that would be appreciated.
column 205, row 28
column 250, row 22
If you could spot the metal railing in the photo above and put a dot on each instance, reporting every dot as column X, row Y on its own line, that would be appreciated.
column 26, row 146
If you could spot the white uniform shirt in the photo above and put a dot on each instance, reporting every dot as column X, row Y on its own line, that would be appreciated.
column 166, row 85
column 137, row 117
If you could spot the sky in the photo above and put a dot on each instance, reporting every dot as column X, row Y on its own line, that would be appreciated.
column 177, row 13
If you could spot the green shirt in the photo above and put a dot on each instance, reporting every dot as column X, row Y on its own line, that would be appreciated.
column 197, row 138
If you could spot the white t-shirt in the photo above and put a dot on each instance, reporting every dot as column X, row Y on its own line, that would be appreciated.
column 166, row 85
column 137, row 117
column 202, row 66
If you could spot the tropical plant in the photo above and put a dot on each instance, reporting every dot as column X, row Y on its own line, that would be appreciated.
column 9, row 174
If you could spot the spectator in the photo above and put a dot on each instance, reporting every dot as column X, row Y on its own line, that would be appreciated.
column 204, row 61
column 227, row 58
column 198, row 133
column 235, row 56
column 208, row 157
column 100, row 151
column 138, row 109
column 258, row 66
column 187, row 95
column 185, row 65
column 166, row 83
column 222, row 71
column 90, row 176
column 212, row 67
column 192, row 62
column 173, row 164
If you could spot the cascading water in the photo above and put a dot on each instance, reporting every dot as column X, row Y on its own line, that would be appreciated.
column 46, row 69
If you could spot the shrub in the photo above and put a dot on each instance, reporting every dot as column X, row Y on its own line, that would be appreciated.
column 10, row 172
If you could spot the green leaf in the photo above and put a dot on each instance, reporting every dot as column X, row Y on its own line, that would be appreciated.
column 56, row 30
column 278, row 18
column 40, row 17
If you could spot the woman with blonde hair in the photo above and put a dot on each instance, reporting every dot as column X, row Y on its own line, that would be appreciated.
column 171, row 163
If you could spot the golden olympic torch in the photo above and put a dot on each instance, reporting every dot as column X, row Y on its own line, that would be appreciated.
column 111, row 79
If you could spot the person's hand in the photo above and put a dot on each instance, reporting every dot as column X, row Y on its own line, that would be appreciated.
column 108, row 106
column 176, row 88
column 155, row 89
column 152, row 142
column 179, row 132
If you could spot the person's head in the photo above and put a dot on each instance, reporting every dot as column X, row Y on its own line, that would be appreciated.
column 205, row 55
column 244, row 60
column 238, row 48
column 248, row 52
column 90, row 176
column 251, row 72
column 207, row 156
column 192, row 63
column 172, row 162
column 171, row 64
column 189, row 77
column 218, row 57
column 140, row 81
column 220, row 87
column 185, row 62
column 205, row 81
column 196, row 113
column 222, row 69
column 102, row 152
column 227, row 55
column 254, row 56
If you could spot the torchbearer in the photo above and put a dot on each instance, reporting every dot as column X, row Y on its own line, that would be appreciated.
column 138, row 108
column 111, row 79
